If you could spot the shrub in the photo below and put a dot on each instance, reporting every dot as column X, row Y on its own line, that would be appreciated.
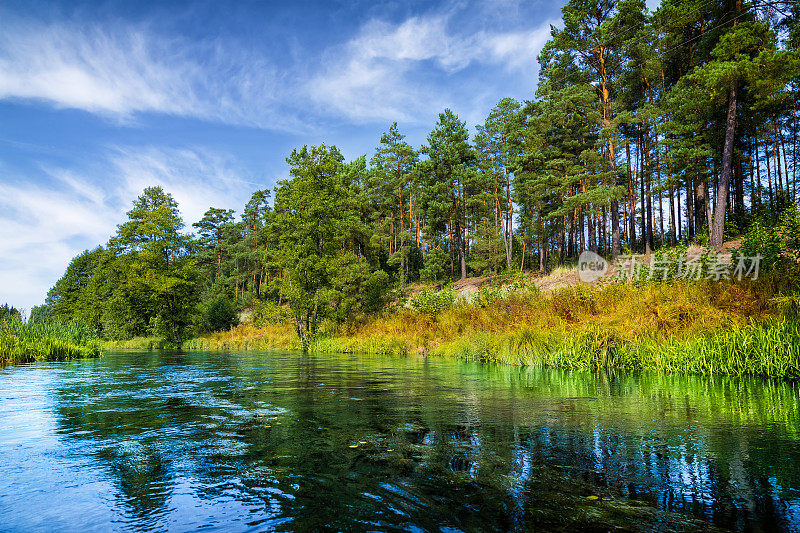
column 220, row 314
column 432, row 303
column 777, row 244
column 268, row 312
column 486, row 296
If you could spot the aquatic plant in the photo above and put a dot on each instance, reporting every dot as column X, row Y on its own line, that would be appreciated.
column 47, row 341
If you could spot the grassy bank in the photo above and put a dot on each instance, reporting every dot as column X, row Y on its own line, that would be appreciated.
column 687, row 327
column 248, row 337
column 136, row 343
column 27, row 342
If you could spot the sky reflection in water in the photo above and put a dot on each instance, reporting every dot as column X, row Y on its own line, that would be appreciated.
column 239, row 442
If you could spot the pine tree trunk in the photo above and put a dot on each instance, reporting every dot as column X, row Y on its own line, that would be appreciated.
column 772, row 193
column 689, row 209
column 778, row 170
column 612, row 156
column 508, row 226
column 643, row 224
column 718, row 232
column 631, row 199
column 660, row 195
column 672, row 231
column 752, row 183
column 647, row 176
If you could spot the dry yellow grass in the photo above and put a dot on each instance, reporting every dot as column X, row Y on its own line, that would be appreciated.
column 496, row 324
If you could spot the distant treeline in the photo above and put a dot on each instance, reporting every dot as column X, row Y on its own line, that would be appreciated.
column 647, row 129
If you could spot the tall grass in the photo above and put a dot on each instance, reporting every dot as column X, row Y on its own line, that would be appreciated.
column 248, row 337
column 137, row 343
column 679, row 326
column 50, row 341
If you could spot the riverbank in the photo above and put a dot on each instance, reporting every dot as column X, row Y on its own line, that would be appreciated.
column 28, row 342
column 741, row 328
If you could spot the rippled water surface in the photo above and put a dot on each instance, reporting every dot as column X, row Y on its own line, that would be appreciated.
column 240, row 442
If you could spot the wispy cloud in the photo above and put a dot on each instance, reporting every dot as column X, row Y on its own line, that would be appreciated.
column 196, row 178
column 384, row 73
column 120, row 70
column 45, row 225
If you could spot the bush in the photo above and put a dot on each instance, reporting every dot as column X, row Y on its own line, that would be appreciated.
column 778, row 244
column 220, row 314
column 486, row 296
column 268, row 312
column 432, row 302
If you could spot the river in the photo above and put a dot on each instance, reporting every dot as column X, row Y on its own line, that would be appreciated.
column 283, row 441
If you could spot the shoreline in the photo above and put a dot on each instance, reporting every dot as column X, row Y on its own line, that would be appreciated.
column 688, row 328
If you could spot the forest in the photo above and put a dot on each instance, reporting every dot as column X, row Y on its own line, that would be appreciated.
column 648, row 130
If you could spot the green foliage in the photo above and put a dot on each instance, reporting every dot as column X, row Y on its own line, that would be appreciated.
column 436, row 265
column 9, row 314
column 41, row 314
column 145, row 282
column 78, row 293
column 778, row 245
column 162, row 276
column 432, row 302
column 40, row 341
column 218, row 314
column 269, row 312
column 486, row 296
column 762, row 239
column 321, row 236
column 451, row 179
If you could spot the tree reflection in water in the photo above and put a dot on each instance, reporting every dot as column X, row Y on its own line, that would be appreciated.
column 286, row 441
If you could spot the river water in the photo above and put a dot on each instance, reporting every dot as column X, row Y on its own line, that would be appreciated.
column 283, row 441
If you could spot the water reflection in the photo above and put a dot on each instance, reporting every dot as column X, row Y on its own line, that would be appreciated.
column 288, row 442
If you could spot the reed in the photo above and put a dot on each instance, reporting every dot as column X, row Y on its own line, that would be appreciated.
column 50, row 341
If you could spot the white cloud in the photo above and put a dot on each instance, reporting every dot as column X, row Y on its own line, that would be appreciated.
column 119, row 71
column 378, row 74
column 388, row 71
column 196, row 178
column 45, row 225
column 42, row 229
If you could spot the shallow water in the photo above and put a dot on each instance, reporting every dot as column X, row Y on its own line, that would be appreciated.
column 240, row 442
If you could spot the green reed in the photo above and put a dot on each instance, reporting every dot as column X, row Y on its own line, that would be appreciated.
column 51, row 341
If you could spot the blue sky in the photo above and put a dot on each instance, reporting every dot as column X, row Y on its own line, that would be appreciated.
column 99, row 100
